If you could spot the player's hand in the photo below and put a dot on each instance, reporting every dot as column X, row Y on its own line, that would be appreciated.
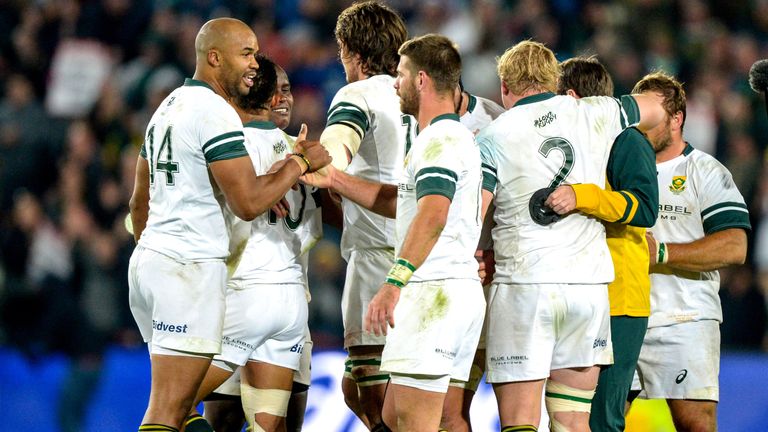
column 653, row 248
column 322, row 178
column 486, row 265
column 282, row 208
column 313, row 151
column 381, row 310
column 562, row 200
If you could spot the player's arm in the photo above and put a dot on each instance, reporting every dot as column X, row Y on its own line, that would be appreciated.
column 631, row 172
column 342, row 142
column 250, row 195
column 713, row 251
column 644, row 110
column 139, row 202
column 377, row 197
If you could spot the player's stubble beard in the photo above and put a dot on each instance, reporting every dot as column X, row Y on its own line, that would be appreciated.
column 409, row 99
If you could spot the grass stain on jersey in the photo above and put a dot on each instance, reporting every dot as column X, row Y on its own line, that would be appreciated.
column 434, row 149
column 436, row 308
column 234, row 258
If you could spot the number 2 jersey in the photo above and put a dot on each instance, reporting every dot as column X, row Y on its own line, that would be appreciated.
column 544, row 141
column 270, row 249
column 192, row 127
column 697, row 196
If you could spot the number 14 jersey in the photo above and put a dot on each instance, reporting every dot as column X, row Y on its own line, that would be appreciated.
column 545, row 141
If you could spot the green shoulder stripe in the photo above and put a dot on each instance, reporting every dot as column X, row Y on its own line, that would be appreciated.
column 725, row 215
column 630, row 107
column 350, row 114
column 436, row 181
column 228, row 150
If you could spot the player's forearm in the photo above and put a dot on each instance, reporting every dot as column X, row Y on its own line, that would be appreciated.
column 377, row 197
column 625, row 206
column 425, row 230
column 712, row 252
column 270, row 188
column 139, row 202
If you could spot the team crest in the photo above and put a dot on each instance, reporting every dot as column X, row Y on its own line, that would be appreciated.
column 678, row 184
column 279, row 147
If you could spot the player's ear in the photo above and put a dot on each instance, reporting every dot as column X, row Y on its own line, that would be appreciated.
column 572, row 93
column 214, row 57
column 504, row 89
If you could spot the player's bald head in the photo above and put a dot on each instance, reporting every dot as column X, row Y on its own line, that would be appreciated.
column 218, row 33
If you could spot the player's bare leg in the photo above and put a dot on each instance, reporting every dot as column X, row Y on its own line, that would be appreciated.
column 458, row 399
column 265, row 393
column 569, row 397
column 519, row 402
column 693, row 415
column 410, row 409
column 371, row 382
column 175, row 381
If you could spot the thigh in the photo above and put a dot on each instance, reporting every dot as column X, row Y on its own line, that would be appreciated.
column 695, row 415
column 519, row 402
column 186, row 301
column 520, row 333
column 583, row 326
column 366, row 270
column 681, row 361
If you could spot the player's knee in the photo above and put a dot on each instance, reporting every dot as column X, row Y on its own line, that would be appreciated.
column 365, row 370
column 561, row 398
column 268, row 401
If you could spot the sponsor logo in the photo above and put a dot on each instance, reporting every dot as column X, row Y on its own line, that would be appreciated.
column 402, row 187
column 509, row 359
column 445, row 353
column 170, row 328
column 298, row 348
column 237, row 343
column 678, row 184
column 602, row 343
column 545, row 119
column 279, row 147
column 681, row 376
column 170, row 102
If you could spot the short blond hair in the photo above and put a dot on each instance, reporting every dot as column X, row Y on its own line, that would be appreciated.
column 527, row 66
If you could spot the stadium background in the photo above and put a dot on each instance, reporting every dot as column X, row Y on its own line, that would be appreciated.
column 79, row 80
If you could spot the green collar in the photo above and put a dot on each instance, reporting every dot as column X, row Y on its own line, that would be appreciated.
column 535, row 98
column 261, row 124
column 448, row 116
column 472, row 102
column 688, row 149
column 190, row 82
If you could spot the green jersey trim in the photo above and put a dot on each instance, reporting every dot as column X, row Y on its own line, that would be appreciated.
column 629, row 104
column 489, row 178
column 143, row 150
column 261, row 124
column 349, row 114
column 228, row 145
column 191, row 82
column 688, row 149
column 472, row 103
column 449, row 116
column 535, row 98
column 725, row 215
column 436, row 181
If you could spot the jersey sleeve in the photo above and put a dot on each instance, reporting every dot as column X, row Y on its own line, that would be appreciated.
column 349, row 108
column 630, row 113
column 721, row 203
column 631, row 174
column 488, row 161
column 221, row 133
column 437, row 168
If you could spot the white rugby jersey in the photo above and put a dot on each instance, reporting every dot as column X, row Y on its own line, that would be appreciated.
column 543, row 141
column 480, row 113
column 192, row 127
column 444, row 160
column 372, row 108
column 697, row 196
column 270, row 249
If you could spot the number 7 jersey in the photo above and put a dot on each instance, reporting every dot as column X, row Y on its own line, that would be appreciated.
column 545, row 141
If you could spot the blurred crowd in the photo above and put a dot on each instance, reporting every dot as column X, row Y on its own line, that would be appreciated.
column 79, row 80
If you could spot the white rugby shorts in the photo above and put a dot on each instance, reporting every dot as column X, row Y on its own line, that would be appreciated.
column 366, row 271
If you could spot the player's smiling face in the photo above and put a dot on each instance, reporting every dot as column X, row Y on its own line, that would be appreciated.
column 239, row 63
column 282, row 102
column 406, row 87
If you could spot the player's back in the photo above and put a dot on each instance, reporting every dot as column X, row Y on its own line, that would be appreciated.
column 480, row 112
column 544, row 141
column 192, row 127
column 373, row 107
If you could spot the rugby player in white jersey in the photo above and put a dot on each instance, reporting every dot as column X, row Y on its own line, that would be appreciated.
column 366, row 135
column 701, row 228
column 177, row 273
column 266, row 314
column 475, row 113
column 548, row 317
column 223, row 408
column 431, row 298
